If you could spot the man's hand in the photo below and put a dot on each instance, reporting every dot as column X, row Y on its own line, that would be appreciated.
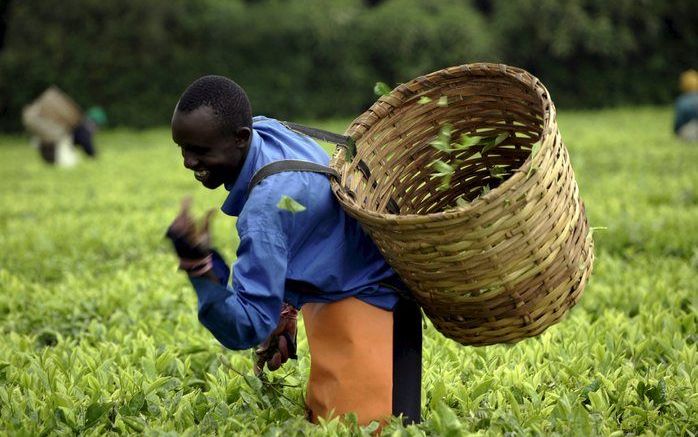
column 191, row 242
column 281, row 344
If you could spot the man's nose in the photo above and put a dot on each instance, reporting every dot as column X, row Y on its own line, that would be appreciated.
column 190, row 161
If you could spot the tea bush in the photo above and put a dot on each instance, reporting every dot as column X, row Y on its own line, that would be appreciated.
column 100, row 334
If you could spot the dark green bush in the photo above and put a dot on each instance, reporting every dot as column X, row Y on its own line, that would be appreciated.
column 129, row 56
column 402, row 39
column 320, row 58
column 597, row 52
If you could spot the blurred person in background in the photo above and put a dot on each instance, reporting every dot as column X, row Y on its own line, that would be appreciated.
column 686, row 117
column 57, row 123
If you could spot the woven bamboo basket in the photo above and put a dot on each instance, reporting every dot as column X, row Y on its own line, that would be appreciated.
column 501, row 264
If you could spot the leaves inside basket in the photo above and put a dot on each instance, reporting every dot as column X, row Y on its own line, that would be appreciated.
column 534, row 150
column 474, row 152
column 442, row 142
column 491, row 143
column 499, row 171
column 467, row 142
column 443, row 171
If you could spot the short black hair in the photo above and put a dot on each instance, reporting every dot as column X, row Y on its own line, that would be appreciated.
column 227, row 99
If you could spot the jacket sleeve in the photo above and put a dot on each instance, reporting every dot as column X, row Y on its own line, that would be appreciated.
column 244, row 315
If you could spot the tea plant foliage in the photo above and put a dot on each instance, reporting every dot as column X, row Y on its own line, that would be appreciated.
column 100, row 334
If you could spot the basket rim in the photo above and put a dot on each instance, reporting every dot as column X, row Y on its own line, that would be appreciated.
column 403, row 92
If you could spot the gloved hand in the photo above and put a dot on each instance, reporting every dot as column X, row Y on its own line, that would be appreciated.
column 191, row 242
column 281, row 344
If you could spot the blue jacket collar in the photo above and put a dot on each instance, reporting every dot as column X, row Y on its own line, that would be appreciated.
column 237, row 195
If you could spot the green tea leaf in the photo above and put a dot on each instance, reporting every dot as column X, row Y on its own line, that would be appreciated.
column 159, row 382
column 442, row 168
column 135, row 423
column 657, row 393
column 595, row 385
column 487, row 146
column 288, row 204
column 438, row 391
column 448, row 420
column 350, row 151
column 491, row 143
column 443, row 101
column 423, row 100
column 444, row 172
column 95, row 412
column 193, row 350
column 136, row 403
column 593, row 229
column 481, row 388
column 381, row 89
column 254, row 382
column 371, row 427
column 442, row 142
column 467, row 142
column 532, row 169
column 498, row 171
column 500, row 139
column 445, row 183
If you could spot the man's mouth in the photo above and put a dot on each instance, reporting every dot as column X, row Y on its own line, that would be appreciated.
column 202, row 175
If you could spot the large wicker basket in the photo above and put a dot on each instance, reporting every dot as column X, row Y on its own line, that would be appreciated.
column 503, row 264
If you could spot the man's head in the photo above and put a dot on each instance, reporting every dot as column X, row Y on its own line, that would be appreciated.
column 212, row 124
column 688, row 82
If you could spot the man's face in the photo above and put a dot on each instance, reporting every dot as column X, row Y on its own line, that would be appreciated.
column 215, row 158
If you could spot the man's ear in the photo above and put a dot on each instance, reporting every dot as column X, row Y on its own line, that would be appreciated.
column 243, row 134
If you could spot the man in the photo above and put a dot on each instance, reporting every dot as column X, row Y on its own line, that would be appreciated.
column 686, row 107
column 364, row 339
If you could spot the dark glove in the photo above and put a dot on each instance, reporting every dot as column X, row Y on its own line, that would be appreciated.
column 281, row 344
column 185, row 248
column 191, row 242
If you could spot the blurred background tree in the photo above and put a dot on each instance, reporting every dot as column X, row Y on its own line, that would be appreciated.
column 597, row 52
column 4, row 12
column 320, row 58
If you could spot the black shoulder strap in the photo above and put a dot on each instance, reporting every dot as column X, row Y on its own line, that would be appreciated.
column 316, row 133
column 288, row 165
column 323, row 135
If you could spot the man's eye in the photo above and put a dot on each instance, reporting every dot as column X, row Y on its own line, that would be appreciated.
column 193, row 149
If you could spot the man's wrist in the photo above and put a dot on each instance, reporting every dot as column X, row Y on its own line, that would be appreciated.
column 197, row 267
column 209, row 275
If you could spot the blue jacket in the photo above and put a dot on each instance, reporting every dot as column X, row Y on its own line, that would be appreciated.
column 686, row 110
column 278, row 250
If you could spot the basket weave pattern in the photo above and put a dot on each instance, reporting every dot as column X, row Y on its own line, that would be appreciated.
column 513, row 260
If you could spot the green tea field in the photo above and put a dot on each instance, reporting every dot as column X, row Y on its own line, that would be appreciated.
column 100, row 333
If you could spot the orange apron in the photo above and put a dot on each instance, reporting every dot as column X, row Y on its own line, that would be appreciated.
column 351, row 362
